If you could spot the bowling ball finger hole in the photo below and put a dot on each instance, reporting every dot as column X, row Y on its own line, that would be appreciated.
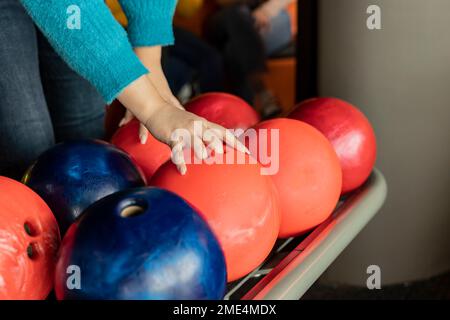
column 32, row 251
column 133, row 210
column 30, row 229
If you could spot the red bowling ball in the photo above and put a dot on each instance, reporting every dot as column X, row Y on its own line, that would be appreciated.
column 350, row 133
column 149, row 156
column 240, row 205
column 224, row 109
column 29, row 240
column 305, row 170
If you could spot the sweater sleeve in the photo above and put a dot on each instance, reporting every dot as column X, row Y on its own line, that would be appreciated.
column 97, row 48
column 149, row 21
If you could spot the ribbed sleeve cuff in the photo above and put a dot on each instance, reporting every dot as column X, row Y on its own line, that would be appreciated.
column 124, row 68
column 150, row 32
column 149, row 22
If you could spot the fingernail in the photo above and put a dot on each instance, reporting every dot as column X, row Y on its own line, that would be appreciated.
column 183, row 171
column 243, row 149
column 143, row 138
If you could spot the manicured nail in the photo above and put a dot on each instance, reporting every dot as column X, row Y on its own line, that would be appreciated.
column 244, row 149
column 143, row 138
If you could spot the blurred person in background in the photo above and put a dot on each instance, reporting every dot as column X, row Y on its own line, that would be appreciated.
column 247, row 32
column 192, row 66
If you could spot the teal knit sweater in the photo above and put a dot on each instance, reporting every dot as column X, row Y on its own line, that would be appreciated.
column 98, row 48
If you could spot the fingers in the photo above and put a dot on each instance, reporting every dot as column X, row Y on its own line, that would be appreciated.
column 213, row 137
column 143, row 134
column 232, row 141
column 193, row 132
column 127, row 118
column 199, row 148
column 178, row 158
column 195, row 142
column 229, row 138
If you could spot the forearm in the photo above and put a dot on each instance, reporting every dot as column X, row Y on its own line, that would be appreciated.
column 151, row 58
column 99, row 50
column 142, row 99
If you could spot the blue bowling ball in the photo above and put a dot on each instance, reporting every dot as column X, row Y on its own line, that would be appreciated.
column 140, row 244
column 73, row 175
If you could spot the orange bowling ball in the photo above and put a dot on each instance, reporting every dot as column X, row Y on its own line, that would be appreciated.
column 29, row 240
column 309, row 175
column 350, row 133
column 238, row 202
column 149, row 156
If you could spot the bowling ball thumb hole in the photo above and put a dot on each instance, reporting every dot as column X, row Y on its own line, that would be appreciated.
column 133, row 208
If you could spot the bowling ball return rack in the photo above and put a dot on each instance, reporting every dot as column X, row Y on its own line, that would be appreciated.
column 296, row 263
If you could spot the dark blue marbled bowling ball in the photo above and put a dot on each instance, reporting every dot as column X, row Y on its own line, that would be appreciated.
column 140, row 244
column 73, row 175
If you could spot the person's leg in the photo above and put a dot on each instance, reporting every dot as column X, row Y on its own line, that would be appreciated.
column 25, row 126
column 245, row 57
column 204, row 59
column 76, row 108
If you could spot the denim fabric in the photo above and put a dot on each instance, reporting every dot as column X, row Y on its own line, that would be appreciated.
column 42, row 101
column 95, row 45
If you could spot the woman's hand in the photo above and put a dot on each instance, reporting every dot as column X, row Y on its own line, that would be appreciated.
column 165, row 120
column 171, row 125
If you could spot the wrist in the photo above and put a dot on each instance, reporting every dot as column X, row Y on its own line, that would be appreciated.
column 141, row 98
column 162, row 87
column 150, row 56
column 152, row 111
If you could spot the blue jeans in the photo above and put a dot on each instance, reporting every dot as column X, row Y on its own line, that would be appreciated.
column 42, row 101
